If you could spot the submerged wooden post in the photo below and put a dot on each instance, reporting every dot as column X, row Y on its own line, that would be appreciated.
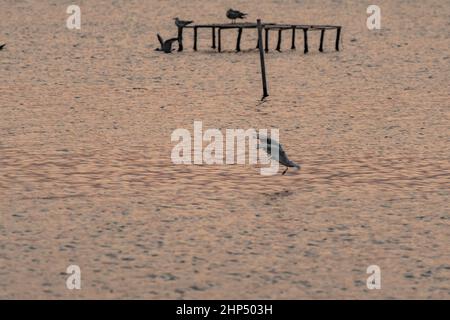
column 261, row 57
column 267, row 39
column 305, row 33
column 322, row 33
column 219, row 39
column 279, row 41
column 213, row 37
column 195, row 38
column 293, row 38
column 180, row 38
column 338, row 37
column 238, row 42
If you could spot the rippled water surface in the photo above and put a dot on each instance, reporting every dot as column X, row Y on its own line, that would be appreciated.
column 86, row 176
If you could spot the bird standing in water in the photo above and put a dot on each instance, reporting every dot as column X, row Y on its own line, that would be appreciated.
column 235, row 14
column 275, row 150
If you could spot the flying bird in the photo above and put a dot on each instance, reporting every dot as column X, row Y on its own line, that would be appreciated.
column 181, row 23
column 2, row 46
column 275, row 150
column 166, row 46
column 235, row 14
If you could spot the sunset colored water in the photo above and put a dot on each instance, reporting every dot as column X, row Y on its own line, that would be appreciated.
column 86, row 176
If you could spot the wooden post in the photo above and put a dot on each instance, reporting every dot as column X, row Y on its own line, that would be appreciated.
column 238, row 42
column 219, row 39
column 322, row 33
column 338, row 37
column 305, row 33
column 261, row 57
column 293, row 38
column 279, row 41
column 213, row 37
column 180, row 38
column 195, row 38
column 267, row 39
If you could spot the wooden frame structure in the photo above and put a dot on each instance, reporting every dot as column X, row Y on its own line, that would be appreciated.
column 216, row 29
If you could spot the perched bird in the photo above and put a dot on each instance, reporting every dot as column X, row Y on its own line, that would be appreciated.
column 275, row 150
column 2, row 46
column 181, row 23
column 166, row 46
column 235, row 14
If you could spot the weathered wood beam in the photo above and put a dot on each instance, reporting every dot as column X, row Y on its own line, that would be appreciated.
column 238, row 42
column 293, row 38
column 305, row 34
column 219, row 35
column 267, row 40
column 322, row 34
column 261, row 56
column 195, row 39
column 180, row 38
column 279, row 40
column 213, row 30
column 265, row 26
column 338, row 37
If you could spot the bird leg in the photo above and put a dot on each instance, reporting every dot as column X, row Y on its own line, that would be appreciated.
column 285, row 171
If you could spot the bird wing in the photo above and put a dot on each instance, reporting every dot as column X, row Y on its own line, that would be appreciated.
column 269, row 145
column 167, row 47
column 284, row 160
column 275, row 151
column 160, row 39
column 232, row 14
column 282, row 157
column 272, row 148
column 239, row 14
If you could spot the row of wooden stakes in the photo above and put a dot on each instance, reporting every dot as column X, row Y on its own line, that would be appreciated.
column 216, row 32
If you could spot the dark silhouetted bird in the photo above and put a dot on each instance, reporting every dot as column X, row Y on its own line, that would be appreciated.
column 275, row 150
column 181, row 23
column 235, row 14
column 166, row 46
column 2, row 46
